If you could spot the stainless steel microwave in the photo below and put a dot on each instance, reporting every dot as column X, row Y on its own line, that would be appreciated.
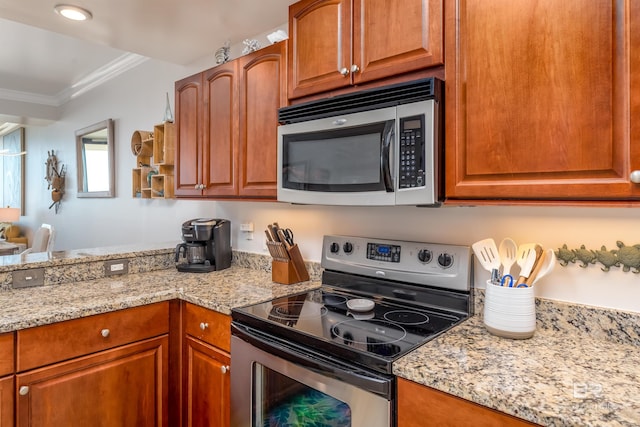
column 378, row 147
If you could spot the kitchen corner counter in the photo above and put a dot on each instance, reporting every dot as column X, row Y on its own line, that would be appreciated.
column 219, row 291
column 556, row 378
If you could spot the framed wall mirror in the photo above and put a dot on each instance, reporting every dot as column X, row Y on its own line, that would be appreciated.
column 96, row 161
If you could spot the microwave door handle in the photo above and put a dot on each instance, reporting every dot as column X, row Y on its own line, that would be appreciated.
column 387, row 161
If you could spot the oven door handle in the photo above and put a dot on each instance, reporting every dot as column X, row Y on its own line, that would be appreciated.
column 316, row 362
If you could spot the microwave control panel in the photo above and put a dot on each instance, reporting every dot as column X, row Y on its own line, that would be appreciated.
column 412, row 152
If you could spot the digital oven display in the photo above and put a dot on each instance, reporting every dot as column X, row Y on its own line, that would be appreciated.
column 383, row 252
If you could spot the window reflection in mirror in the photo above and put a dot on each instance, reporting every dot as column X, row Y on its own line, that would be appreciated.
column 95, row 158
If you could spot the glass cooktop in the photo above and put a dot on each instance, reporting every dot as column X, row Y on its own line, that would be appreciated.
column 371, row 331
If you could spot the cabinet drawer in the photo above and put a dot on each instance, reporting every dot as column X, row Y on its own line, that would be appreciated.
column 43, row 345
column 6, row 354
column 208, row 325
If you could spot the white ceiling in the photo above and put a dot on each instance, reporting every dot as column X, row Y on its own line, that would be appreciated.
column 45, row 59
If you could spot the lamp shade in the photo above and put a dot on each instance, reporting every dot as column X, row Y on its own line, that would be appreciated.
column 9, row 214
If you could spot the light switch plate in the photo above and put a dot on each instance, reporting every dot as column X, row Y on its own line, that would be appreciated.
column 116, row 266
column 27, row 278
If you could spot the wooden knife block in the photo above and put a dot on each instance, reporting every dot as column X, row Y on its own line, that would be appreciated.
column 291, row 271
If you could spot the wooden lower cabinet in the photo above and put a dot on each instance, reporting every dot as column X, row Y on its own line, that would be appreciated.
column 6, row 401
column 124, row 386
column 206, row 378
column 420, row 406
column 207, row 385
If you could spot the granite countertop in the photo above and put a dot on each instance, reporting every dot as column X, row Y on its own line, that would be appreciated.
column 571, row 373
column 219, row 291
column 556, row 378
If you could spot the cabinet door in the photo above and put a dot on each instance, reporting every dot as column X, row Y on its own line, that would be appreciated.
column 207, row 385
column 6, row 401
column 319, row 46
column 220, row 130
column 189, row 116
column 262, row 92
column 634, row 91
column 125, row 386
column 393, row 37
column 420, row 406
column 538, row 100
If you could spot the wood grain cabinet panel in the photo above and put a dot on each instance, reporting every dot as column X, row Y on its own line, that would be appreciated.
column 6, row 401
column 208, row 326
column 189, row 106
column 125, row 386
column 337, row 43
column 540, row 95
column 60, row 341
column 207, row 385
column 6, row 354
column 420, row 406
column 227, row 127
column 206, row 377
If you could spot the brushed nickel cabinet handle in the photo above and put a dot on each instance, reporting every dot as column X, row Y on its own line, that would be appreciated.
column 224, row 369
column 355, row 68
column 635, row 176
column 204, row 326
column 344, row 71
column 105, row 333
column 24, row 390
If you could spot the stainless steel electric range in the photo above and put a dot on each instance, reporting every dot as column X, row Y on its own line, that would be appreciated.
column 326, row 356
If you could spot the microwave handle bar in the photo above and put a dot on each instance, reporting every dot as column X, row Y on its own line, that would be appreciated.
column 386, row 161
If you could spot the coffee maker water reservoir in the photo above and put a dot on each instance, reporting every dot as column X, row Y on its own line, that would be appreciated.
column 206, row 247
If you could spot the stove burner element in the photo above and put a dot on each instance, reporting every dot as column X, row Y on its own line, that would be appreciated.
column 289, row 312
column 406, row 317
column 370, row 333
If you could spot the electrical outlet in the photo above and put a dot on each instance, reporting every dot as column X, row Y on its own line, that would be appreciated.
column 116, row 266
column 27, row 278
column 247, row 226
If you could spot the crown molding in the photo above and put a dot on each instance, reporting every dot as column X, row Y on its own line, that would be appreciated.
column 96, row 78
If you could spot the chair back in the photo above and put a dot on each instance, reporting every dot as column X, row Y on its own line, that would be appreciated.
column 43, row 239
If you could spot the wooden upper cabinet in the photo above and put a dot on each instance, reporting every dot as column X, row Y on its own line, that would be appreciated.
column 319, row 46
column 262, row 93
column 540, row 95
column 337, row 43
column 219, row 154
column 227, row 127
column 189, row 104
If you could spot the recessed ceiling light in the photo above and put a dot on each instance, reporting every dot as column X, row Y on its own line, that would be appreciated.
column 74, row 13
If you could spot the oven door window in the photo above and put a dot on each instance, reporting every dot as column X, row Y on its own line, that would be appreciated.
column 339, row 160
column 281, row 401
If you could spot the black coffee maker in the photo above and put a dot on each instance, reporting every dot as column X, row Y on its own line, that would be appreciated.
column 206, row 247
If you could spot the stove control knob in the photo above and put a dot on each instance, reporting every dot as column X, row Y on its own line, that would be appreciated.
column 347, row 247
column 334, row 248
column 425, row 256
column 445, row 260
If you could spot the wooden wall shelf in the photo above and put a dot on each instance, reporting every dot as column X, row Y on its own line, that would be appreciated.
column 153, row 176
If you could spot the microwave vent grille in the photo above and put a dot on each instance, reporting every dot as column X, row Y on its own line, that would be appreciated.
column 371, row 99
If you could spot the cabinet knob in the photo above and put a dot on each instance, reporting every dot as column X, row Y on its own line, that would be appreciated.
column 355, row 68
column 344, row 71
column 224, row 369
column 204, row 326
column 105, row 333
column 24, row 390
column 635, row 176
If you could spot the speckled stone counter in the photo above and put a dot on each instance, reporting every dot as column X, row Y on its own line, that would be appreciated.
column 219, row 291
column 581, row 368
